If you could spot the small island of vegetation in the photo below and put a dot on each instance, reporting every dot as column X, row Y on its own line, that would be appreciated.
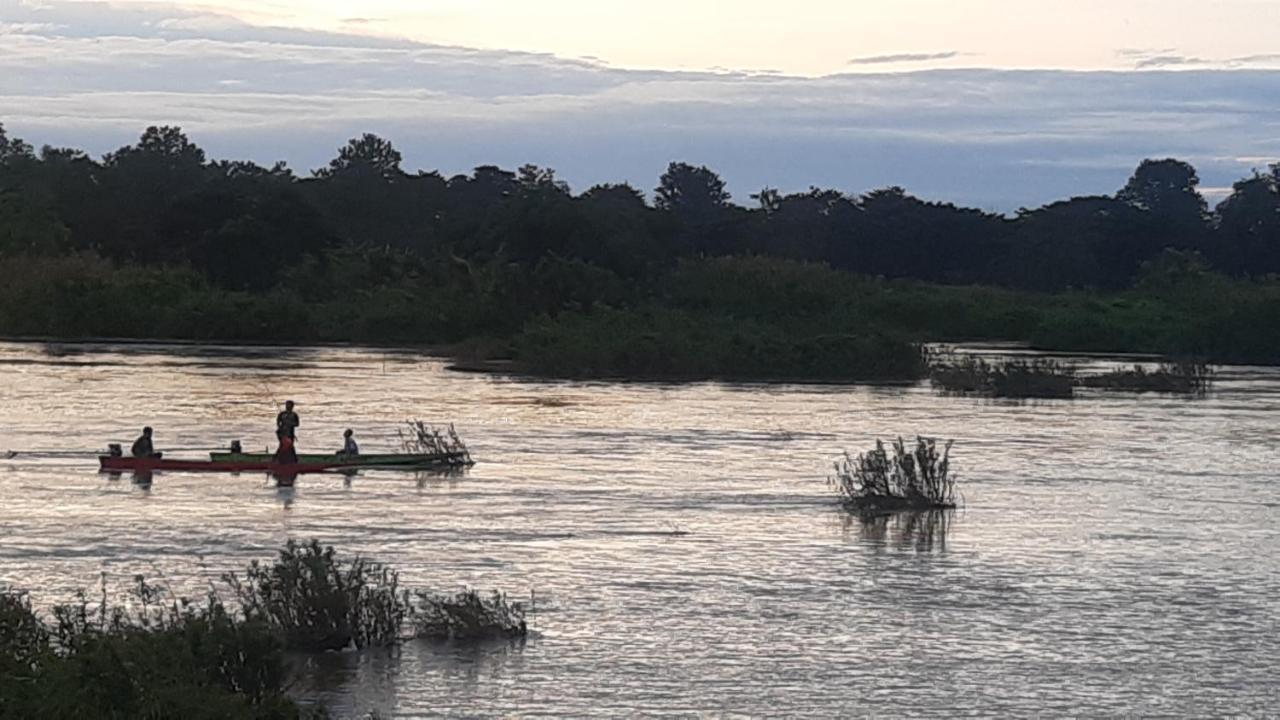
column 897, row 479
column 513, row 270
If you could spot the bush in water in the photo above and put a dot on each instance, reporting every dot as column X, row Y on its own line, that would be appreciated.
column 321, row 603
column 1188, row 378
column 893, row 479
column 468, row 615
column 1035, row 378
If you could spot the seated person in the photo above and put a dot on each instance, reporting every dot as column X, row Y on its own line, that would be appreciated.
column 143, row 447
column 349, row 446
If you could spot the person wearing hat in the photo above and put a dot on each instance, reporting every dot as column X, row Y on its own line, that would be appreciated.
column 143, row 447
column 287, row 422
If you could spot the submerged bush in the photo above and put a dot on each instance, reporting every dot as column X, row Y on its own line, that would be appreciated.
column 1035, row 378
column 1184, row 377
column 320, row 603
column 1038, row 378
column 468, row 615
column 893, row 479
column 965, row 375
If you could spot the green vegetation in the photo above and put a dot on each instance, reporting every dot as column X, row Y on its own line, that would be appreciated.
column 1044, row 378
column 1036, row 378
column 969, row 375
column 157, row 241
column 160, row 656
column 660, row 342
column 897, row 479
column 318, row 603
column 1188, row 378
column 154, row 660
column 467, row 615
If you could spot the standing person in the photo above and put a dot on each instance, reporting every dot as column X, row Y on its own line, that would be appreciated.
column 349, row 446
column 286, row 454
column 287, row 422
column 143, row 446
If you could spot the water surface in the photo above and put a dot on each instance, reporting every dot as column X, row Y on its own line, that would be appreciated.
column 1117, row 554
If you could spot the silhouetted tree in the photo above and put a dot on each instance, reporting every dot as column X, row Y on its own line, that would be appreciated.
column 769, row 200
column 495, row 246
column 694, row 193
column 1249, row 226
column 534, row 179
column 621, row 197
column 11, row 148
column 27, row 228
column 1166, row 188
column 367, row 155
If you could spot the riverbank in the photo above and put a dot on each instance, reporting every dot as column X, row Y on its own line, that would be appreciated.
column 743, row 318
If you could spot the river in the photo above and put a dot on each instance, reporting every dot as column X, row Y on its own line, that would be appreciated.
column 1116, row 554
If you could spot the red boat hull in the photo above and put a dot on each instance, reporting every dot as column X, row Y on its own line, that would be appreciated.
column 132, row 464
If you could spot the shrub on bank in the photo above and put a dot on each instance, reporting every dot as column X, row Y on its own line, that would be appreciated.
column 161, row 656
column 157, row 661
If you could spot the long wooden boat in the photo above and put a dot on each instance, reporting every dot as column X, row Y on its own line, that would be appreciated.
column 112, row 463
column 390, row 460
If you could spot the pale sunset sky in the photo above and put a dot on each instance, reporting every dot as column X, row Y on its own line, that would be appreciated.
column 807, row 37
column 1040, row 100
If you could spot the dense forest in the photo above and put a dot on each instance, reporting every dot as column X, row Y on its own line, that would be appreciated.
column 155, row 240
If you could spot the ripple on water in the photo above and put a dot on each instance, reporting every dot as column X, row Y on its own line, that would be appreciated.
column 1117, row 555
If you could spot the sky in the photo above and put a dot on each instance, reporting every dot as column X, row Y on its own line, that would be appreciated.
column 989, row 103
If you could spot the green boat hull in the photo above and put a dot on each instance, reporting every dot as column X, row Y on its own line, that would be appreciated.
column 388, row 460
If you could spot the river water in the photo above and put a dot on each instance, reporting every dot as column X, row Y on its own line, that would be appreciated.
column 1116, row 554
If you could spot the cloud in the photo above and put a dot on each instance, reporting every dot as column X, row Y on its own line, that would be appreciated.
column 993, row 139
column 1166, row 61
column 904, row 58
column 1166, row 58
column 19, row 28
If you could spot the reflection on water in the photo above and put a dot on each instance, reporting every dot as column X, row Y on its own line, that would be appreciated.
column 1116, row 555
column 919, row 531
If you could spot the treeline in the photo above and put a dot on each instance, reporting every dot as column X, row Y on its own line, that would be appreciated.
column 155, row 239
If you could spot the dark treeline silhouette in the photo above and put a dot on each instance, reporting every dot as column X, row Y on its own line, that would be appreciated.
column 444, row 258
